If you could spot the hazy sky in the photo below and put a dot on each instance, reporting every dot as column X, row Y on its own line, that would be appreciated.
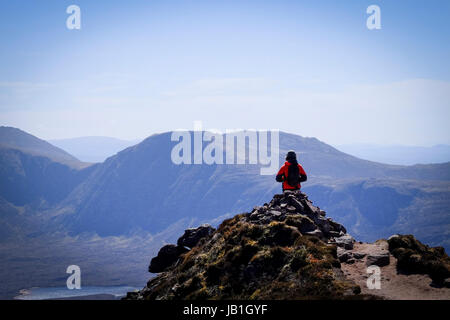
column 306, row 67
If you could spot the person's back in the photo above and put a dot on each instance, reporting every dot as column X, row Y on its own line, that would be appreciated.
column 291, row 173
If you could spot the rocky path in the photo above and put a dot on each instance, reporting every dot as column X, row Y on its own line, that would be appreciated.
column 393, row 285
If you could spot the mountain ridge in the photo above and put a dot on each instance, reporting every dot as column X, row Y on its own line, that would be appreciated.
column 14, row 138
column 128, row 175
column 131, row 180
column 399, row 154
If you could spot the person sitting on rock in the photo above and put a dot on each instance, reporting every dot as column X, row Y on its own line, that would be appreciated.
column 291, row 173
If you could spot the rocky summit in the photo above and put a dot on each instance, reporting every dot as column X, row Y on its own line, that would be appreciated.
column 285, row 249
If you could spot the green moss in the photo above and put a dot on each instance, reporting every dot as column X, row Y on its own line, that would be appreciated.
column 415, row 257
column 299, row 258
column 279, row 233
column 251, row 261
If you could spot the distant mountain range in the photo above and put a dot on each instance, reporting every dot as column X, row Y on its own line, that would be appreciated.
column 139, row 191
column 98, row 149
column 398, row 154
column 93, row 149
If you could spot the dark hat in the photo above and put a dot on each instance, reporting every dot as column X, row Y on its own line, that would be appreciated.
column 291, row 155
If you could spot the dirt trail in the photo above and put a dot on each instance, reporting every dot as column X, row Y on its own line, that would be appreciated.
column 393, row 285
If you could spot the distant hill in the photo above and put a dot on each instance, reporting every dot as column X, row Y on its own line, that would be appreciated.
column 13, row 138
column 34, row 172
column 398, row 154
column 93, row 149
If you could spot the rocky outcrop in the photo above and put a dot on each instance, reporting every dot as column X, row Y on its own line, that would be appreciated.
column 192, row 236
column 170, row 254
column 285, row 249
column 415, row 257
column 166, row 257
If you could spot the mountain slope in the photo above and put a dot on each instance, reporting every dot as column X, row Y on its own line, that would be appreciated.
column 141, row 189
column 29, row 179
column 324, row 161
column 142, row 180
column 33, row 171
column 13, row 138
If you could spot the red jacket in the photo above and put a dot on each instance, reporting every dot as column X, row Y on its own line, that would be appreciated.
column 283, row 173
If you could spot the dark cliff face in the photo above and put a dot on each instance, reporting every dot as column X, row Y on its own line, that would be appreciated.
column 285, row 249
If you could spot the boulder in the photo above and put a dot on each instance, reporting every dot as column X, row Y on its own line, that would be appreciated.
column 343, row 255
column 254, row 216
column 446, row 283
column 275, row 213
column 351, row 261
column 316, row 233
column 380, row 260
column 291, row 208
column 323, row 224
column 334, row 234
column 346, row 241
column 309, row 207
column 337, row 227
column 166, row 257
column 192, row 236
column 359, row 255
column 294, row 202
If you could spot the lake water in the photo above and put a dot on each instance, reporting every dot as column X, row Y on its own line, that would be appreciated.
column 63, row 292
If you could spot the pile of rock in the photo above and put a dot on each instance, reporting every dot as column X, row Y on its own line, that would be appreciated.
column 310, row 220
column 284, row 249
column 295, row 203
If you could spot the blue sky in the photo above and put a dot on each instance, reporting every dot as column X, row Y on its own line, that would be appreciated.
column 307, row 67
